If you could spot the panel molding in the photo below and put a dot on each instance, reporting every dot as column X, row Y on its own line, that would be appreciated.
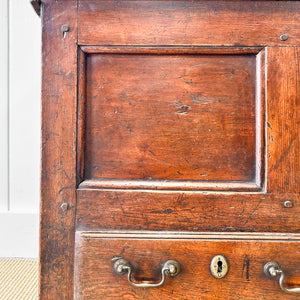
column 184, row 185
column 257, row 185
column 166, row 49
column 181, row 235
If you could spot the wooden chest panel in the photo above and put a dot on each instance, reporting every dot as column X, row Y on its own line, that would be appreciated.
column 174, row 117
column 170, row 131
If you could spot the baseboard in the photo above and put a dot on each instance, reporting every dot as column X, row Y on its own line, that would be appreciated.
column 19, row 234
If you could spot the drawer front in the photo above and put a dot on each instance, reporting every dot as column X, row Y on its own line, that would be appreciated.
column 96, row 279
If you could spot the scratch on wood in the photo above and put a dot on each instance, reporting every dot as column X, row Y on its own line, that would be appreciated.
column 64, row 189
column 182, row 108
column 129, row 129
column 152, row 153
column 285, row 153
column 246, row 264
column 254, row 210
column 166, row 211
column 123, row 250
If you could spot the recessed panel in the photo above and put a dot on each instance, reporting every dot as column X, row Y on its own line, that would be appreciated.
column 171, row 117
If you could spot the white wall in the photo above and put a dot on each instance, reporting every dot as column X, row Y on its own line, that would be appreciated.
column 20, row 56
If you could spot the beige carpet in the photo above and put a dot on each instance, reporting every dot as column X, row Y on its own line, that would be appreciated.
column 18, row 279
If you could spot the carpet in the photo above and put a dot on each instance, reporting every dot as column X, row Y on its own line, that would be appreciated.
column 18, row 279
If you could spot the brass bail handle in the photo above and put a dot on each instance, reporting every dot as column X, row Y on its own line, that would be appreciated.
column 170, row 268
column 272, row 270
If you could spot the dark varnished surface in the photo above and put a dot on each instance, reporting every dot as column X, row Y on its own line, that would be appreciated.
column 189, row 211
column 58, row 177
column 212, row 211
column 95, row 278
column 169, row 90
column 252, row 23
column 283, row 126
column 175, row 117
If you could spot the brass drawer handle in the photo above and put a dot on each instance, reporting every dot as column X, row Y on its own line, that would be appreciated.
column 170, row 267
column 273, row 269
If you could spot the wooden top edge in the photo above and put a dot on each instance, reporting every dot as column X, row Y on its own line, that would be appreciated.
column 202, row 0
column 189, row 235
column 36, row 4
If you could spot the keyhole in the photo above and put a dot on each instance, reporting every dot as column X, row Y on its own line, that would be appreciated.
column 220, row 268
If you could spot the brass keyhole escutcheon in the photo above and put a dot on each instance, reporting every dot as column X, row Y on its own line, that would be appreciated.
column 219, row 266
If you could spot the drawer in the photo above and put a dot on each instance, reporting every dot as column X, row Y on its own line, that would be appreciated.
column 246, row 255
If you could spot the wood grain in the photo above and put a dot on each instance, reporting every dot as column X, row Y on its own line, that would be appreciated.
column 223, row 23
column 158, row 99
column 58, row 181
column 171, row 185
column 283, row 136
column 95, row 278
column 81, row 114
column 187, row 211
column 174, row 117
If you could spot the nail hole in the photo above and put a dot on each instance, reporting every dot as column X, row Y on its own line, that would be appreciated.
column 288, row 203
column 284, row 37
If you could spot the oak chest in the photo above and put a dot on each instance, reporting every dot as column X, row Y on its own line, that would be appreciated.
column 170, row 149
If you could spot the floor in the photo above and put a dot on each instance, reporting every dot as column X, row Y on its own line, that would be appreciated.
column 18, row 279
